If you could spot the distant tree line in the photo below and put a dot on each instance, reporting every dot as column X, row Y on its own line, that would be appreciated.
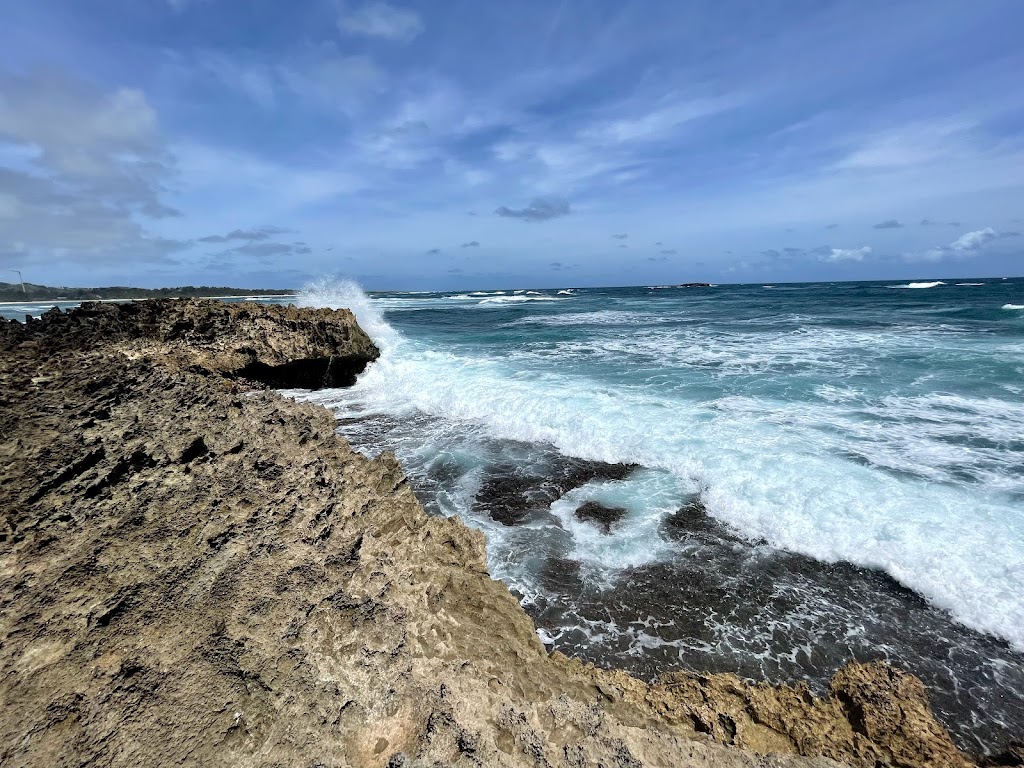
column 33, row 292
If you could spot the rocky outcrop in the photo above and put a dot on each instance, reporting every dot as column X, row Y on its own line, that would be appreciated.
column 197, row 571
column 275, row 345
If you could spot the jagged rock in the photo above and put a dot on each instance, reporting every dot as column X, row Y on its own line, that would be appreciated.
column 198, row 572
column 276, row 345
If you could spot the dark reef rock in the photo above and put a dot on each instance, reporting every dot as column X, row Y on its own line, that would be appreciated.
column 602, row 516
column 511, row 495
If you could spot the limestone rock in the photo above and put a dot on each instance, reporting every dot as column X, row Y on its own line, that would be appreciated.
column 277, row 345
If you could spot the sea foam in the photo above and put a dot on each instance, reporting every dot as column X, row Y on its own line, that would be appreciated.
column 879, row 482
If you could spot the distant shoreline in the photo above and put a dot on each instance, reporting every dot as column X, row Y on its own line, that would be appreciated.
column 144, row 298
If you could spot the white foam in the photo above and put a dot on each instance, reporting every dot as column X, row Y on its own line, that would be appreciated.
column 877, row 482
column 599, row 317
column 339, row 294
column 966, row 284
column 516, row 299
column 933, row 284
column 1013, row 306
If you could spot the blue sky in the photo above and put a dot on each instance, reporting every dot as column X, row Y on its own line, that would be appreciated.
column 418, row 145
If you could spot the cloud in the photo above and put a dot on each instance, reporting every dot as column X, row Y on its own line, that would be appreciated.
column 966, row 246
column 434, row 252
column 555, row 265
column 972, row 241
column 831, row 226
column 92, row 164
column 954, row 223
column 888, row 224
column 255, row 81
column 670, row 252
column 470, row 244
column 541, row 209
column 265, row 252
column 381, row 20
column 262, row 233
column 620, row 237
column 834, row 255
column 927, row 223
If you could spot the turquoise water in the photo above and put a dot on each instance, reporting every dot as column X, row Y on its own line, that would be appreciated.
column 858, row 449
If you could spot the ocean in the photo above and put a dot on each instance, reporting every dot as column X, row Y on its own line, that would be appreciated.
column 768, row 480
column 798, row 475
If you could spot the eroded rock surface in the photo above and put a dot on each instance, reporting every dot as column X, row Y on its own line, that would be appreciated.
column 276, row 345
column 197, row 572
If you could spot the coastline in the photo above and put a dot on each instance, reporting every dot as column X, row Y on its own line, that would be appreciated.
column 51, row 302
column 209, row 572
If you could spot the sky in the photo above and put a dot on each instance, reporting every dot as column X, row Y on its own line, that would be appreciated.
column 418, row 145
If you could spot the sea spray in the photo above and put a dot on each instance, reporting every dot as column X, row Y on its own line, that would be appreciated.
column 339, row 293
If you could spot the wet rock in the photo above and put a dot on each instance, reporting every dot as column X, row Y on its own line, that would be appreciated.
column 511, row 495
column 603, row 517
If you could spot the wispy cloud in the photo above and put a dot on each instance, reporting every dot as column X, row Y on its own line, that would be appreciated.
column 888, row 224
column 381, row 20
column 470, row 244
column 620, row 237
column 915, row 144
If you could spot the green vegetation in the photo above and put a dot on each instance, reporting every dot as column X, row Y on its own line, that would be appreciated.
column 32, row 292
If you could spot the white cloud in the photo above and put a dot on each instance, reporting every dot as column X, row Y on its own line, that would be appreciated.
column 381, row 20
column 846, row 254
column 908, row 145
column 82, row 168
column 965, row 246
column 658, row 123
column 971, row 241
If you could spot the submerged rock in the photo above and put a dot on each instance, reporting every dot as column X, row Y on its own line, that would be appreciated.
column 602, row 516
column 195, row 571
column 510, row 495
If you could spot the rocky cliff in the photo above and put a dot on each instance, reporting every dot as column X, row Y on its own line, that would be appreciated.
column 195, row 570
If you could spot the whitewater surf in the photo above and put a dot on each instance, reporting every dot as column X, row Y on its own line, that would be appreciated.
column 792, row 478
